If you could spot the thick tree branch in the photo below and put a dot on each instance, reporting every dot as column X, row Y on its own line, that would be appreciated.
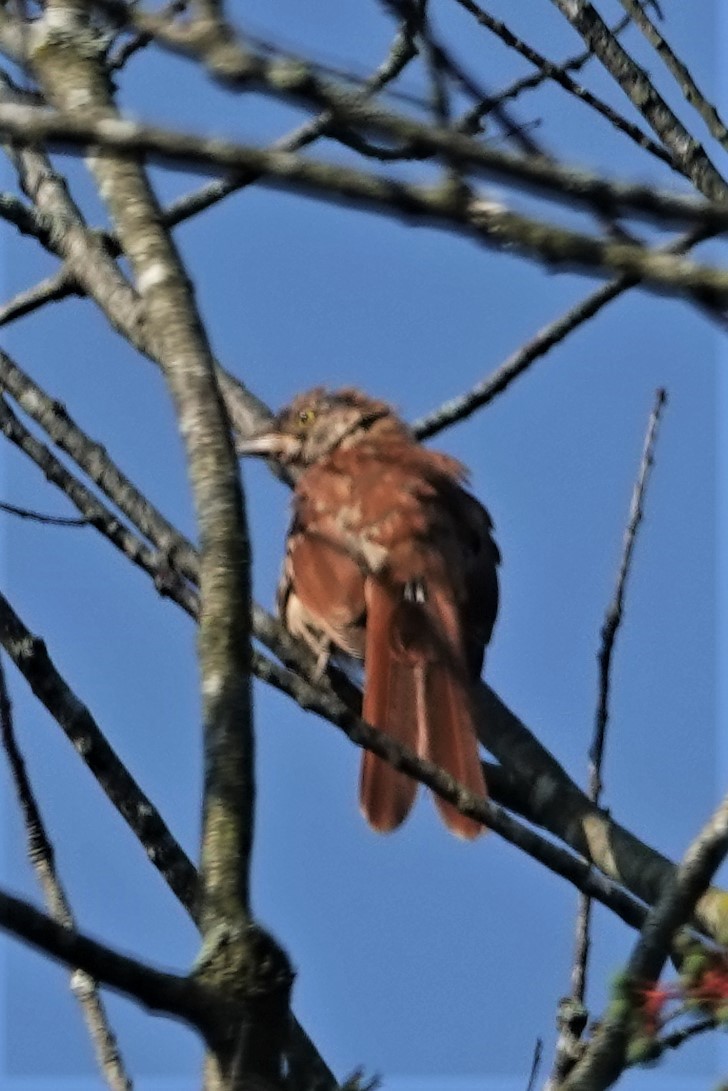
column 553, row 180
column 249, row 967
column 68, row 62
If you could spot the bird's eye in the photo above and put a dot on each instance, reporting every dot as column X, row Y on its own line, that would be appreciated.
column 306, row 416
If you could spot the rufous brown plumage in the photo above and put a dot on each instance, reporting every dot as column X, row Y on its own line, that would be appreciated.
column 391, row 561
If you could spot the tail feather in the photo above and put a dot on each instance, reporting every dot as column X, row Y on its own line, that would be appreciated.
column 451, row 744
column 386, row 795
column 451, row 740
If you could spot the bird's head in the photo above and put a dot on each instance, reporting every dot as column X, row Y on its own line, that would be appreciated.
column 316, row 423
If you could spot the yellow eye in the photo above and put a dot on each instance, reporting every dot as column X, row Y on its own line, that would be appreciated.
column 306, row 416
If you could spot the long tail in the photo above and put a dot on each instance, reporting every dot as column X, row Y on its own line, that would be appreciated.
column 416, row 690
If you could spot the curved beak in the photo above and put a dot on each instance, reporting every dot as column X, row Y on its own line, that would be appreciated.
column 269, row 445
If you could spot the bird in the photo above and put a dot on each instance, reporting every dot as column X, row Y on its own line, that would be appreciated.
column 391, row 561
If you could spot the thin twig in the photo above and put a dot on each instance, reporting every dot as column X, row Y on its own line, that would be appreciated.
column 457, row 409
column 678, row 1037
column 558, row 74
column 60, row 285
column 544, row 68
column 572, row 1011
column 535, row 1064
column 39, row 517
column 42, row 858
column 141, row 40
column 463, row 406
column 615, row 612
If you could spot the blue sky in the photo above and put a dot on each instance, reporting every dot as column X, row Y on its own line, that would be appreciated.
column 433, row 963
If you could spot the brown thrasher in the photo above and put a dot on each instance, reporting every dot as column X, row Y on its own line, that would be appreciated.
column 389, row 560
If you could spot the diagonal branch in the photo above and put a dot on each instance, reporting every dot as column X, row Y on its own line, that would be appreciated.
column 459, row 408
column 463, row 406
column 604, row 1059
column 640, row 90
column 691, row 91
column 166, row 994
column 42, row 857
column 30, row 656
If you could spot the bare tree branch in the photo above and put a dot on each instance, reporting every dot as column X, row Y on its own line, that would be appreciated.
column 457, row 409
column 615, row 612
column 529, row 83
column 59, row 286
column 463, row 406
